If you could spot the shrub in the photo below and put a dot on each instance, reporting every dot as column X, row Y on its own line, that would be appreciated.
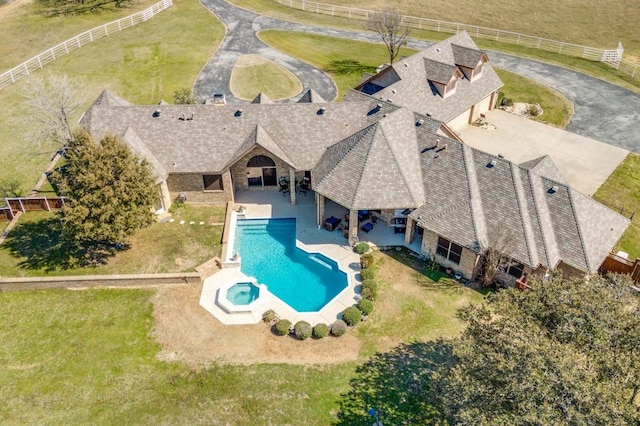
column 507, row 102
column 320, row 331
column 269, row 316
column 366, row 261
column 367, row 274
column 369, row 289
column 302, row 330
column 365, row 306
column 282, row 327
column 352, row 316
column 338, row 328
column 361, row 248
column 534, row 110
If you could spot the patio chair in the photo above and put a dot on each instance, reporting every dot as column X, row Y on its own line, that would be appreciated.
column 367, row 227
column 304, row 186
column 363, row 215
column 284, row 186
column 331, row 223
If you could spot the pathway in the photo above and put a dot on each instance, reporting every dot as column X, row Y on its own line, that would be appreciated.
column 603, row 111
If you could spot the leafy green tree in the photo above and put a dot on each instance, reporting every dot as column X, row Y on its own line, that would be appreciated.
column 565, row 352
column 184, row 97
column 110, row 192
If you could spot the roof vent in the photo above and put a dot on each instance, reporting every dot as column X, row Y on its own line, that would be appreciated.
column 239, row 113
column 492, row 164
column 182, row 117
column 406, row 65
column 379, row 106
column 190, row 116
column 419, row 122
column 553, row 189
column 321, row 111
column 500, row 156
column 437, row 143
column 157, row 113
column 438, row 49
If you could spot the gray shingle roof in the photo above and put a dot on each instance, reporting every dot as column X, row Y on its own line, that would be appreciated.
column 261, row 99
column 544, row 166
column 466, row 56
column 138, row 147
column 439, row 71
column 311, row 96
column 413, row 91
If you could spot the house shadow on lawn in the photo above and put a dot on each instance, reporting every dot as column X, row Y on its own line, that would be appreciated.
column 400, row 386
column 42, row 246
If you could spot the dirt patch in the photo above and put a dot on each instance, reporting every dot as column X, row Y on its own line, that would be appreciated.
column 190, row 334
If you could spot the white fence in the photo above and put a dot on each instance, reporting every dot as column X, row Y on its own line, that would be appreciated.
column 37, row 62
column 612, row 57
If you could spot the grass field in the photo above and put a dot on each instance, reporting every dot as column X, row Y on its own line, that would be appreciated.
column 88, row 357
column 253, row 74
column 346, row 60
column 621, row 192
column 595, row 69
column 32, row 247
column 144, row 64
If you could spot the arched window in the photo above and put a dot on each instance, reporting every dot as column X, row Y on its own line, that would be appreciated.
column 261, row 161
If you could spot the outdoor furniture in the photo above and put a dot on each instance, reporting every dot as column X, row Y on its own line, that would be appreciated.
column 304, row 186
column 284, row 186
column 399, row 229
column 331, row 223
column 367, row 227
column 363, row 215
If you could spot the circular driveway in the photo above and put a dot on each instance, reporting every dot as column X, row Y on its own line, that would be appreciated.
column 603, row 111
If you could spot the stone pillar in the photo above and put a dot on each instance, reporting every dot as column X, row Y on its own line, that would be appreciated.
column 320, row 209
column 353, row 227
column 292, row 185
column 410, row 231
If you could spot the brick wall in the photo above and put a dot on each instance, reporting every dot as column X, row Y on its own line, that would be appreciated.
column 468, row 260
column 193, row 186
column 239, row 169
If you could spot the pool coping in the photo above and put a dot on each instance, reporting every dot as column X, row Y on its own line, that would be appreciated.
column 348, row 262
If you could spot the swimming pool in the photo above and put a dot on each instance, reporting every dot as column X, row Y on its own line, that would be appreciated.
column 304, row 281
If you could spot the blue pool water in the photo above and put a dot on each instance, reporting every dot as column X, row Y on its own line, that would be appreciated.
column 242, row 293
column 304, row 281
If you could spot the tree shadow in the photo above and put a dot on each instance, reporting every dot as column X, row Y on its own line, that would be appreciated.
column 348, row 66
column 43, row 246
column 402, row 386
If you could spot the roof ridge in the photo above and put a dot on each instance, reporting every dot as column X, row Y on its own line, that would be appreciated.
column 477, row 212
column 524, row 214
column 578, row 225
column 548, row 240
column 448, row 210
column 375, row 127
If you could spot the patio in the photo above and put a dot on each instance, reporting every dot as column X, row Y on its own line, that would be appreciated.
column 311, row 238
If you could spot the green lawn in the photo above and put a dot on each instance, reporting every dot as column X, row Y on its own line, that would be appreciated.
column 346, row 60
column 621, row 192
column 253, row 74
column 32, row 247
column 557, row 109
column 80, row 357
column 595, row 69
column 143, row 64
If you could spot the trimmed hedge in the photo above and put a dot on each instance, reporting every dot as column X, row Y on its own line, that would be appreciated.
column 367, row 274
column 362, row 248
column 366, row 261
column 338, row 328
column 369, row 289
column 282, row 327
column 352, row 316
column 365, row 306
column 320, row 331
column 269, row 316
column 302, row 330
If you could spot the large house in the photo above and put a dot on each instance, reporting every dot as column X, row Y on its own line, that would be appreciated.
column 386, row 148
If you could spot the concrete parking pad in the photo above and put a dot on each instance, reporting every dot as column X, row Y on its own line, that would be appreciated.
column 584, row 162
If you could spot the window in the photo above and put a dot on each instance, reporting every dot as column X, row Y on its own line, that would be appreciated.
column 212, row 182
column 449, row 250
column 515, row 269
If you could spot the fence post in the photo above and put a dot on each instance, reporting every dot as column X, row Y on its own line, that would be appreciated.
column 26, row 68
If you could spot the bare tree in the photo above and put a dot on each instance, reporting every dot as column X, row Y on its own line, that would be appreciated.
column 50, row 102
column 496, row 255
column 389, row 25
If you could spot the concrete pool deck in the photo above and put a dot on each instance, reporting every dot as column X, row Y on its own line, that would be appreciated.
column 273, row 205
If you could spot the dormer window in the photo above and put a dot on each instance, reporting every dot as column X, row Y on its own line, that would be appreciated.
column 469, row 61
column 443, row 78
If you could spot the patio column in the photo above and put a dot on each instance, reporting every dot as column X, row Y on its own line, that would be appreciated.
column 292, row 185
column 320, row 209
column 353, row 227
column 409, row 231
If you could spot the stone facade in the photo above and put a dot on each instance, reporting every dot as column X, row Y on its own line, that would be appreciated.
column 192, row 184
column 239, row 170
column 468, row 261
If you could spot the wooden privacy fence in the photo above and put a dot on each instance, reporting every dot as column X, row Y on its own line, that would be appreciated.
column 612, row 57
column 15, row 205
column 37, row 62
column 620, row 265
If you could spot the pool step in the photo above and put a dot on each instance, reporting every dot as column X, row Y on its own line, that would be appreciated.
column 320, row 261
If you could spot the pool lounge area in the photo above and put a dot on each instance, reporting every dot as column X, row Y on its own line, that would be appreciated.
column 308, row 237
